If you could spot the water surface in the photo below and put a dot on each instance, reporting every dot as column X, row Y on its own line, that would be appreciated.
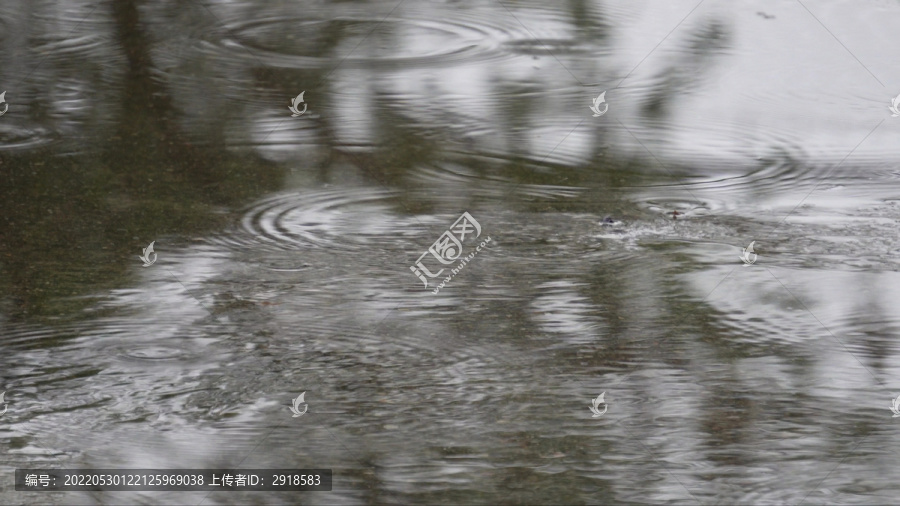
column 285, row 244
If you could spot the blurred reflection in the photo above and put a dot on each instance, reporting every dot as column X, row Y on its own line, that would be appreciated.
column 284, row 246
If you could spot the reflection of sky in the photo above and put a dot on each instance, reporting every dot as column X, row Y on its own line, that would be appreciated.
column 782, row 81
column 788, row 77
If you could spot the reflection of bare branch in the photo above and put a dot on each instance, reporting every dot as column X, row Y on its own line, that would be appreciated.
column 703, row 44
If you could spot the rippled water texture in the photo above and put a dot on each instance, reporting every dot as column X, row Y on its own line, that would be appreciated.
column 287, row 248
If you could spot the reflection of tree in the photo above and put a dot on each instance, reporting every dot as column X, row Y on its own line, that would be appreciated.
column 590, row 23
column 158, row 174
column 688, row 67
column 74, row 222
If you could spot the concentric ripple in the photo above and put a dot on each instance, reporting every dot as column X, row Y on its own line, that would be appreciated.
column 407, row 38
column 346, row 219
column 686, row 209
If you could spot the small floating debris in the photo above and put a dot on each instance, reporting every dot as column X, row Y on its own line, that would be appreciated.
column 610, row 222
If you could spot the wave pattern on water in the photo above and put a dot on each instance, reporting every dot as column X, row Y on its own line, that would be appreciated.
column 410, row 37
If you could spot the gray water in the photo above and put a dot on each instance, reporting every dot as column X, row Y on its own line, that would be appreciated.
column 285, row 244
